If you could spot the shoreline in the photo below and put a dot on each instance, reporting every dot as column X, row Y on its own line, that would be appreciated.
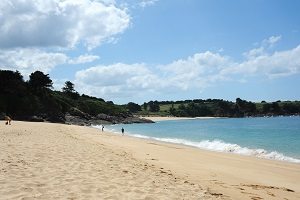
column 191, row 118
column 177, row 118
column 166, row 155
column 229, row 147
column 65, row 161
column 286, row 159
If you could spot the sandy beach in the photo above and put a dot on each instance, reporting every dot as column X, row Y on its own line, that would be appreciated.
column 56, row 161
column 176, row 118
column 167, row 118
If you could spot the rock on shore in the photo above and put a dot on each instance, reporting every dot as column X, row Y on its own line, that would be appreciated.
column 122, row 118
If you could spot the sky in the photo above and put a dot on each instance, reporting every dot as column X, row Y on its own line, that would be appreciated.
column 165, row 50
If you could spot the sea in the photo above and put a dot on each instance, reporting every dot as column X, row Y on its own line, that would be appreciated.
column 276, row 138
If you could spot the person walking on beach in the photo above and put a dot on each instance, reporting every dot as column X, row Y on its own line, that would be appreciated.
column 102, row 127
column 8, row 120
column 122, row 131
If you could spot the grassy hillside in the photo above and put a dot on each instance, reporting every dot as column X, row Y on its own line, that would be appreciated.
column 222, row 108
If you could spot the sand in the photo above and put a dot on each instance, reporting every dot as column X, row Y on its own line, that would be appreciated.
column 177, row 118
column 55, row 161
column 167, row 118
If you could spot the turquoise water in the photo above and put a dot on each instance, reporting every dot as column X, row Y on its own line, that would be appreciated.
column 272, row 138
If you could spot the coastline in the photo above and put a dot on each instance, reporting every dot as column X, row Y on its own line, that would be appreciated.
column 42, row 160
column 176, row 118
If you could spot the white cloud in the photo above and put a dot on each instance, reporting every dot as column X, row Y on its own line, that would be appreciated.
column 117, row 74
column 278, row 64
column 146, row 3
column 30, row 29
column 59, row 23
column 221, row 50
column 283, row 63
column 262, row 50
column 194, row 74
column 115, row 80
column 273, row 39
column 197, row 72
column 199, row 63
column 254, row 52
column 83, row 59
column 29, row 60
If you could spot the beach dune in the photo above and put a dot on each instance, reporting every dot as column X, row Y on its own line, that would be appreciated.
column 56, row 161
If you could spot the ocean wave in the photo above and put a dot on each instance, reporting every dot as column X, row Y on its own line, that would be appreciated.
column 216, row 145
column 220, row 146
column 109, row 128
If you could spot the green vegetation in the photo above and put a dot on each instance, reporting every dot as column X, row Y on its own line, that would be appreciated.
column 34, row 100
column 220, row 108
column 23, row 100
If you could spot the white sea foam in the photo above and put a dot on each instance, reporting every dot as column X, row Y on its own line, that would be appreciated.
column 216, row 145
column 220, row 146
column 109, row 129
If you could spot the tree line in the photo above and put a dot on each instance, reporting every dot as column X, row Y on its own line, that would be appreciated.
column 215, row 108
column 23, row 100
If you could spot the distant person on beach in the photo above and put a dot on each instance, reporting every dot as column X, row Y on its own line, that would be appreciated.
column 8, row 120
column 122, row 131
column 102, row 127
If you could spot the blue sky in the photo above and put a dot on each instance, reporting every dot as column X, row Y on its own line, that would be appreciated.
column 139, row 50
